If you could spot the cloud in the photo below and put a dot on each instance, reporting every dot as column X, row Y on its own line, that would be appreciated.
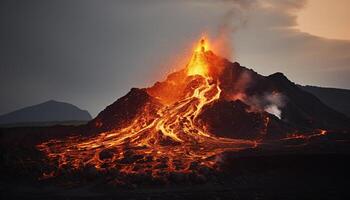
column 269, row 42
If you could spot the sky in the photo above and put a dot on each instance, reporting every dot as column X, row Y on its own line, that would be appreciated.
column 325, row 18
column 92, row 52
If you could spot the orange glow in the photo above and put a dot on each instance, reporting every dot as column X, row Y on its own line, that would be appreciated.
column 317, row 133
column 316, row 19
column 198, row 64
column 155, row 143
column 158, row 141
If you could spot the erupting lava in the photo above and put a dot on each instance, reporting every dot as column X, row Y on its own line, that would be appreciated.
column 172, row 140
column 198, row 64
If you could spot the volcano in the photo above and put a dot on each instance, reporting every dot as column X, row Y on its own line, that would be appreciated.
column 184, row 123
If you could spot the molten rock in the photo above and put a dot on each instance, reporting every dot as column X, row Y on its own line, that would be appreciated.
column 183, row 124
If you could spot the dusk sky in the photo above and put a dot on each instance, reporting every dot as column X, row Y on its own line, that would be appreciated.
column 90, row 53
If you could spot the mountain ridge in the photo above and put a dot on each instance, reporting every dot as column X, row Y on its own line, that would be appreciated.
column 48, row 111
column 337, row 98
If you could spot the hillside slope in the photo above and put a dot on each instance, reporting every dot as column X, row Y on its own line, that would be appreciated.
column 338, row 99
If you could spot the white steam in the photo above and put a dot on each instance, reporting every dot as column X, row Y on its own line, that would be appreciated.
column 274, row 110
column 273, row 103
column 270, row 102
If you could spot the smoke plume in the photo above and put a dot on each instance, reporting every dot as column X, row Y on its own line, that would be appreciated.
column 274, row 102
column 233, row 19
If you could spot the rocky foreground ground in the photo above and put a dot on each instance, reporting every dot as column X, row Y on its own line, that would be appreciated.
column 298, row 168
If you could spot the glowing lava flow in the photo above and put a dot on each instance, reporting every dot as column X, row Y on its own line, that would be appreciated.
column 171, row 142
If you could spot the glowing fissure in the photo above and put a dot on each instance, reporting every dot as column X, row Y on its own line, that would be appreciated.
column 172, row 141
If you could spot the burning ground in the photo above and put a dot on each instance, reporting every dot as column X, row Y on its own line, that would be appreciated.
column 187, row 128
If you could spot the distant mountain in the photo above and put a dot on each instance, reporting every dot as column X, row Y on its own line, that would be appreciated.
column 50, row 111
column 338, row 99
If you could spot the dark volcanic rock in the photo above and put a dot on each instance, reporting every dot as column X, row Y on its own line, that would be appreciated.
column 106, row 154
column 234, row 119
column 303, row 109
column 135, row 103
column 338, row 99
column 300, row 108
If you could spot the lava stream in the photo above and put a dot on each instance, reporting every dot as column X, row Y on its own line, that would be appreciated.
column 171, row 141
